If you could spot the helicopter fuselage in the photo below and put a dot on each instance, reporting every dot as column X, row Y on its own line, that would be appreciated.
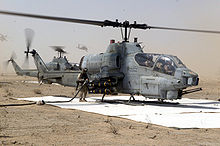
column 127, row 69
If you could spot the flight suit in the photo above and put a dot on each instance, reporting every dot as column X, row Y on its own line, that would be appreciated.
column 82, row 77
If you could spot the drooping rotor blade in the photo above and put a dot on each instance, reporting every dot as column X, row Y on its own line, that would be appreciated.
column 92, row 22
column 26, row 63
column 182, row 29
column 125, row 24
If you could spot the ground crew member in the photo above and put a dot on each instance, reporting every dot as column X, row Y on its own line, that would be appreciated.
column 82, row 77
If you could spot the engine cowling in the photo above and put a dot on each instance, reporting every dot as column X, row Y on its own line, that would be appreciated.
column 95, row 63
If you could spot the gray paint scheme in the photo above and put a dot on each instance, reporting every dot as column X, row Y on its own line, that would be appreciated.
column 61, row 71
column 66, row 78
column 119, row 63
column 136, row 79
column 23, row 72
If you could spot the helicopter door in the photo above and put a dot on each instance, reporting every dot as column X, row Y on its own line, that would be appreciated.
column 149, row 86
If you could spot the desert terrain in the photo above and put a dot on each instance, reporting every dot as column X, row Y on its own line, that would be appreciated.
column 49, row 125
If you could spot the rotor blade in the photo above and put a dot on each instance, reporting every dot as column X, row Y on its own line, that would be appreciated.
column 103, row 23
column 183, row 29
column 26, row 63
column 29, row 34
column 91, row 22
column 13, row 56
column 58, row 49
column 6, row 63
column 82, row 47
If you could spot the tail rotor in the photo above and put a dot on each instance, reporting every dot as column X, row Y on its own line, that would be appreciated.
column 12, row 58
column 29, row 35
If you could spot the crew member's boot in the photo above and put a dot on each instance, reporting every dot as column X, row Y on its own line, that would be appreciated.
column 84, row 97
column 81, row 96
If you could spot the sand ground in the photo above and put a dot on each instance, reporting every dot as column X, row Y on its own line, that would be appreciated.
column 49, row 125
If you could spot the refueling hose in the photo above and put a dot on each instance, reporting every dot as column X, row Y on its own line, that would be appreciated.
column 44, row 102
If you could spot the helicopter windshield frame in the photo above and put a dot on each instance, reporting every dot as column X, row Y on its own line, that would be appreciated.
column 146, row 59
column 165, row 64
column 178, row 62
column 161, row 63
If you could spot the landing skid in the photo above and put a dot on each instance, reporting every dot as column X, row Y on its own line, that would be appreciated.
column 161, row 100
column 138, row 102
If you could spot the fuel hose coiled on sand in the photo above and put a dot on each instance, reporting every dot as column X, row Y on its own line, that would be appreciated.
column 44, row 102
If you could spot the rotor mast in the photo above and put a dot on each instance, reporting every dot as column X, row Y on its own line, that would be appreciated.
column 126, row 37
column 126, row 25
column 59, row 50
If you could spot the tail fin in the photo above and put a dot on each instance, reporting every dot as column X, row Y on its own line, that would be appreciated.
column 17, row 68
column 41, row 66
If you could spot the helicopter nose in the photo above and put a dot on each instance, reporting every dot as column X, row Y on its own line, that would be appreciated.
column 191, row 78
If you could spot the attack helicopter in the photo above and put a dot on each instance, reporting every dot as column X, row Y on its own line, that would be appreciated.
column 59, row 70
column 3, row 37
column 125, row 68
column 55, row 65
column 59, row 63
column 82, row 47
column 62, row 77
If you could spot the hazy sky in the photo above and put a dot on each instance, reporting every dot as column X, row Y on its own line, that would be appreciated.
column 200, row 52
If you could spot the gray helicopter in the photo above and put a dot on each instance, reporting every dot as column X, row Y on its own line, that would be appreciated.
column 3, row 37
column 48, row 73
column 125, row 68
column 59, row 63
column 62, row 77
column 59, row 70
column 82, row 47
column 51, row 66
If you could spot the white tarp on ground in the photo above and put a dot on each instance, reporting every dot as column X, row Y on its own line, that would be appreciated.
column 36, row 82
column 184, row 113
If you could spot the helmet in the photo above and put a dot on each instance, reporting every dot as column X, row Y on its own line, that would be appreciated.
column 85, row 70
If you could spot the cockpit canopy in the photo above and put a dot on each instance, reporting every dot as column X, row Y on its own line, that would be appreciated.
column 166, row 64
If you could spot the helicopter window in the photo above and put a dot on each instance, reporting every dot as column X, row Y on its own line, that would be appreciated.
column 178, row 62
column 165, row 65
column 144, row 59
